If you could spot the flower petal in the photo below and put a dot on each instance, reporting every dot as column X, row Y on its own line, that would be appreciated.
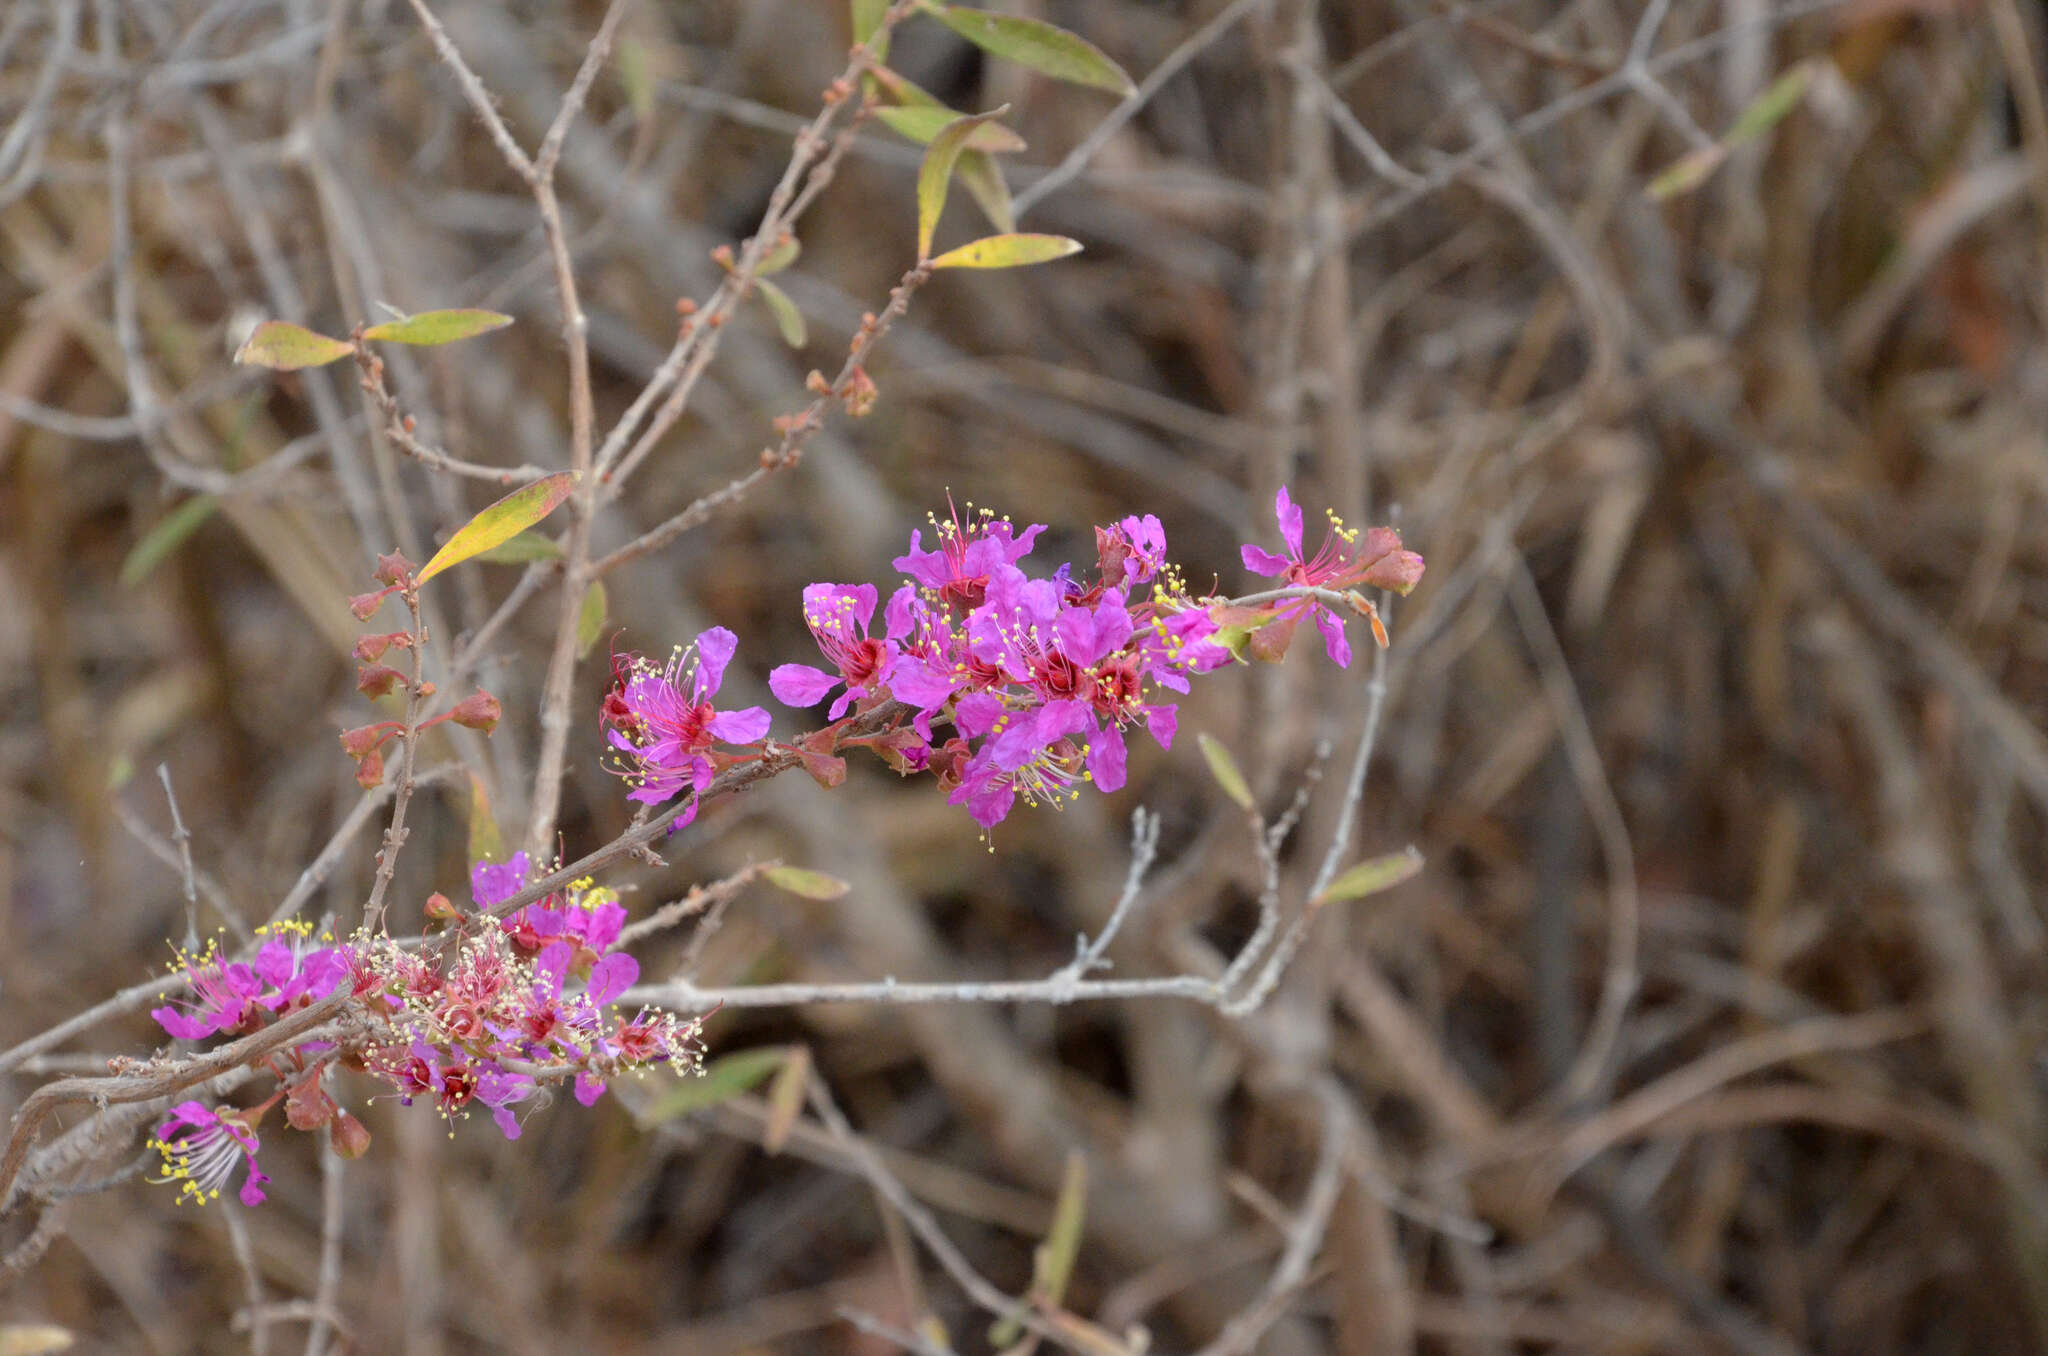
column 1335, row 643
column 1289, row 514
column 1263, row 562
column 740, row 727
column 715, row 649
column 1106, row 759
column 800, row 685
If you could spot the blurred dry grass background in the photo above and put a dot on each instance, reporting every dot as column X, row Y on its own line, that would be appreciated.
column 1734, row 638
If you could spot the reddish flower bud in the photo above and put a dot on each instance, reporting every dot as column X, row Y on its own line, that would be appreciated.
column 393, row 569
column 351, row 1139
column 374, row 680
column 370, row 771
column 858, row 393
column 362, row 741
column 364, row 604
column 1397, row 570
column 370, row 649
column 307, row 1105
column 479, row 712
column 441, row 909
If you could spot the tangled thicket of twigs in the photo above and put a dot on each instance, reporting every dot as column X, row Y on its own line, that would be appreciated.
column 1712, row 1022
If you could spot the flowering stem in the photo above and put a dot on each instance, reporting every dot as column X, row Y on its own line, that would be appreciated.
column 394, row 836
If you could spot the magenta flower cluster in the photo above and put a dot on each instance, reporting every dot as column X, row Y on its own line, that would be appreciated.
column 487, row 1015
column 1040, row 678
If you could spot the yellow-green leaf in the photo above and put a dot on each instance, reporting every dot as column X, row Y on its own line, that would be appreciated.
column 502, row 521
column 723, row 1079
column 780, row 257
column 1370, row 877
column 982, row 177
column 285, row 347
column 636, row 73
column 786, row 1098
column 167, row 536
column 921, row 122
column 810, row 884
column 34, row 1339
column 1040, row 46
column 788, row 318
column 523, row 549
column 903, row 89
column 1008, row 251
column 936, row 174
column 1053, row 1262
column 1224, row 769
column 486, row 843
column 429, row 328
column 1763, row 113
column 867, row 22
column 590, row 620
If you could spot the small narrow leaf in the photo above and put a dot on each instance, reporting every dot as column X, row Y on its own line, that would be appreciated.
column 1370, row 877
column 429, row 328
column 786, row 1098
column 590, row 620
column 780, row 257
column 636, row 73
column 936, row 174
column 982, row 177
column 166, row 536
column 1008, row 251
column 486, row 843
column 1040, row 46
column 810, row 884
column 1763, row 113
column 920, row 123
column 1053, row 1262
column 1224, row 769
column 903, row 89
column 522, row 549
column 285, row 347
column 867, row 22
column 723, row 1079
column 501, row 522
column 788, row 318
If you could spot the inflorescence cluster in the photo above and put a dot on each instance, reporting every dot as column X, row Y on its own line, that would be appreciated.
column 1037, row 680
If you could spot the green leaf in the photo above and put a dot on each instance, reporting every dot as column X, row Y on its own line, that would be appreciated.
column 1053, row 1262
column 590, row 620
column 786, row 1098
column 920, row 123
column 982, row 177
column 936, row 174
column 1370, row 877
column 1224, row 769
column 1045, row 49
column 788, row 318
column 636, row 73
column 523, row 549
column 429, row 328
column 486, row 843
column 1008, row 251
column 285, row 347
column 1763, row 113
column 502, row 521
column 903, row 89
column 166, row 536
column 723, row 1079
column 867, row 21
column 782, row 256
column 810, row 884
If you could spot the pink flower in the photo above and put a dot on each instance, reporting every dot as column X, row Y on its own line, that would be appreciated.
column 201, row 1148
column 223, row 997
column 1345, row 559
column 838, row 616
column 663, row 723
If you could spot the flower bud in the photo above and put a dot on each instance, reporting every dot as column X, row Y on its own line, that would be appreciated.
column 351, row 1138
column 370, row 649
column 393, row 569
column 362, row 741
column 858, row 392
column 364, row 604
column 441, row 909
column 307, row 1105
column 370, row 771
column 374, row 680
column 479, row 712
